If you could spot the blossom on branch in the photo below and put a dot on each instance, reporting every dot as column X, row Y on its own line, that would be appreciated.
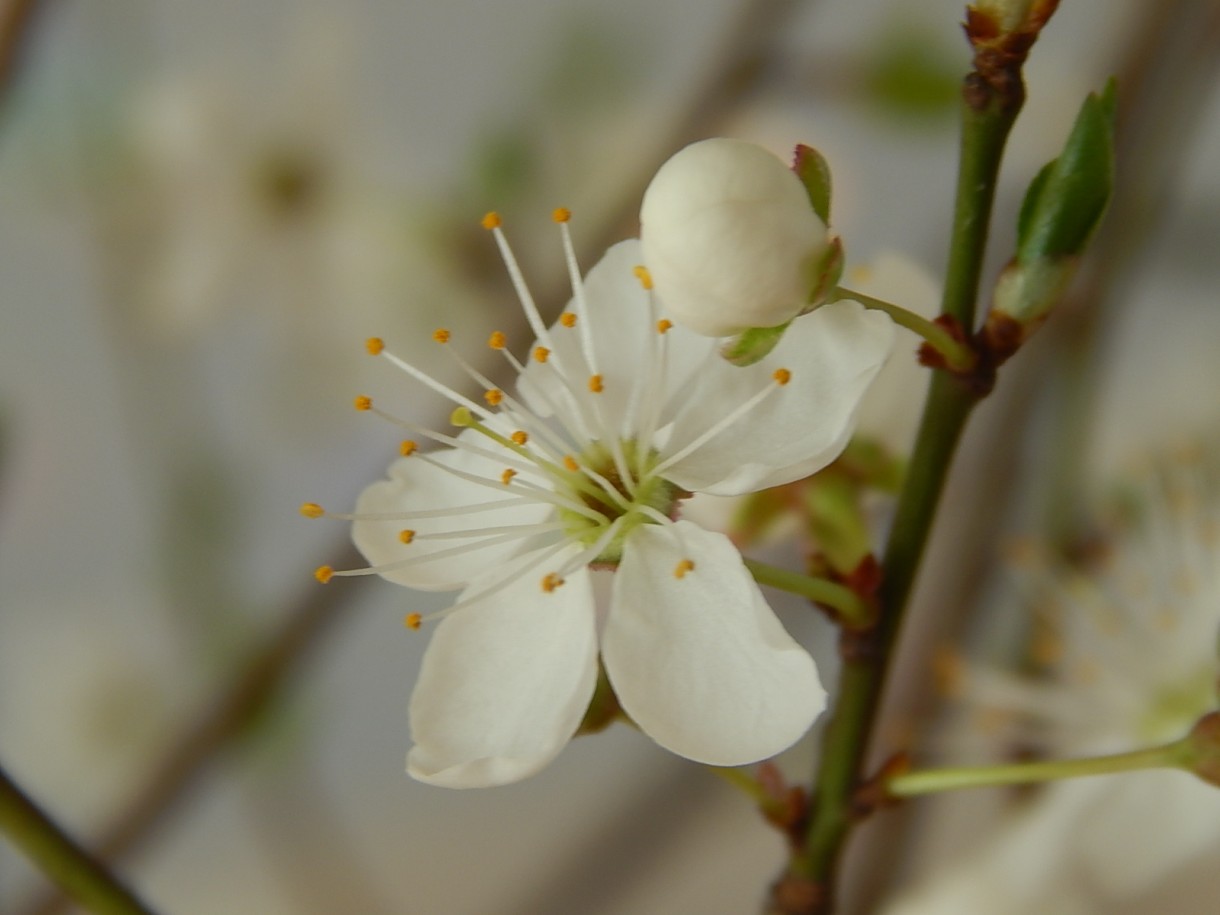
column 618, row 415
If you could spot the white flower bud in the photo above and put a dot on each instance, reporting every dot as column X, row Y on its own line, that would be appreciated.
column 730, row 238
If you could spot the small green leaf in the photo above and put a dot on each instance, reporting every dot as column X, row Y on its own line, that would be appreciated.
column 751, row 345
column 814, row 173
column 1066, row 200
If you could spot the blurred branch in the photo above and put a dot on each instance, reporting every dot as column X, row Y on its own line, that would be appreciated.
column 58, row 856
column 252, row 691
column 17, row 21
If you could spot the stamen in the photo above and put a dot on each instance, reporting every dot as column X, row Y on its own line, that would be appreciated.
column 312, row 510
column 407, row 447
column 323, row 574
column 541, row 354
column 567, row 319
column 595, row 384
column 520, row 437
column 782, row 376
column 441, row 335
column 684, row 566
column 363, row 403
column 641, row 273
column 507, row 476
column 497, row 340
column 664, row 325
column 413, row 621
column 561, row 214
column 491, row 221
column 550, row 582
column 374, row 345
column 494, row 397
column 570, row 463
column 405, row 536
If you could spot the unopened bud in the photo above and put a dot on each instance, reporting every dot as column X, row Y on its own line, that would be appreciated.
column 731, row 240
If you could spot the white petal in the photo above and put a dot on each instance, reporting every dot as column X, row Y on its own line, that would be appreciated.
column 416, row 485
column 700, row 663
column 622, row 330
column 833, row 354
column 504, row 684
column 1142, row 826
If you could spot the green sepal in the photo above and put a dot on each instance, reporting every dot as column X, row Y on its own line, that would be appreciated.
column 810, row 166
column 1067, row 198
column 751, row 345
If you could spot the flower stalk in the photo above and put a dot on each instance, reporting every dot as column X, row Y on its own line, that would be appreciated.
column 852, row 610
column 958, row 356
column 1177, row 754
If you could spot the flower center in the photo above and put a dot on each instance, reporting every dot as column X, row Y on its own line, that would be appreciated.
column 644, row 498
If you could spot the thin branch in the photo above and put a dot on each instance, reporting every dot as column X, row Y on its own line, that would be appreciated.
column 59, row 856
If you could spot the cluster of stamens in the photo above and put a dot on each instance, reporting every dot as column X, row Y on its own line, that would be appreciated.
column 600, row 478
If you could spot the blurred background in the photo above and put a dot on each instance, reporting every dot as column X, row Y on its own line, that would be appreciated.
column 206, row 208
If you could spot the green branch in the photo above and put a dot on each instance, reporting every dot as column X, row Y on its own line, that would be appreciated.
column 987, row 118
column 59, row 857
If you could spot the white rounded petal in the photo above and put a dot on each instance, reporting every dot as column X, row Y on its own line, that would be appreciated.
column 833, row 355
column 700, row 662
column 730, row 238
column 625, row 345
column 1142, row 826
column 415, row 485
column 504, row 683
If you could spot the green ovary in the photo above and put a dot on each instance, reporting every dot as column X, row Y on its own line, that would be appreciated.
column 650, row 491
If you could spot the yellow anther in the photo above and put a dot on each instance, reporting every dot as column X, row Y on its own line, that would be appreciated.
column 781, row 376
column 595, row 384
column 541, row 354
column 323, row 573
column 412, row 621
column 561, row 214
column 686, row 565
column 642, row 274
column 496, row 340
column 363, row 403
column 570, row 463
column 406, row 536
column 550, row 582
column 507, row 476
column 461, row 417
column 491, row 221
column 493, row 396
column 312, row 510
column 408, row 447
column 441, row 335
column 568, row 319
column 664, row 325
column 520, row 437
column 374, row 345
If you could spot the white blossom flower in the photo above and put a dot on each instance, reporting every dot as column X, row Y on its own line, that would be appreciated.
column 730, row 238
column 1129, row 646
column 619, row 414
